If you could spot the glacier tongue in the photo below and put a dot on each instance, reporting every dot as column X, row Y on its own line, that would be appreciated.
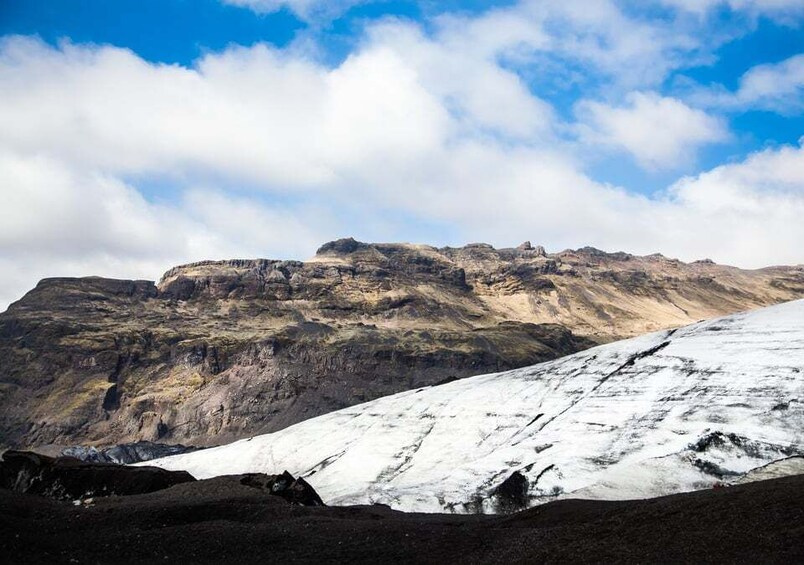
column 666, row 412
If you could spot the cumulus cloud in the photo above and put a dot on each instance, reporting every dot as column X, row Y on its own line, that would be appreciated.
column 57, row 220
column 777, row 87
column 59, row 211
column 271, row 152
column 463, row 73
column 753, row 208
column 250, row 113
column 562, row 37
column 659, row 132
column 622, row 49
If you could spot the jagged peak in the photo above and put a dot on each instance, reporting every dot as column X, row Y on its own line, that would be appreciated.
column 342, row 246
column 349, row 245
column 595, row 252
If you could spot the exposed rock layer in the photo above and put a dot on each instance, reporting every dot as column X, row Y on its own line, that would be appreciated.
column 126, row 453
column 226, row 349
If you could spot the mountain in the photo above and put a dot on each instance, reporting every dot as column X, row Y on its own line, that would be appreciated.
column 667, row 412
column 221, row 350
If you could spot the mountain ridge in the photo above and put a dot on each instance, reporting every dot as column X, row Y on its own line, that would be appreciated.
column 218, row 350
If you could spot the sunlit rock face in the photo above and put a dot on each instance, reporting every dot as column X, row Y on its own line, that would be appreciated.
column 671, row 411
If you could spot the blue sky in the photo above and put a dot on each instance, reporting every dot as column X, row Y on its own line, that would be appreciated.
column 177, row 31
column 140, row 133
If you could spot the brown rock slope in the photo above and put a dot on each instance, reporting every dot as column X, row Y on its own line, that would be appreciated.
column 226, row 349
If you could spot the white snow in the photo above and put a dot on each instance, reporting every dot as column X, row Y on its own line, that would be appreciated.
column 617, row 421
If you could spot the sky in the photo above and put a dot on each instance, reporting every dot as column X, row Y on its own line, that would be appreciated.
column 140, row 134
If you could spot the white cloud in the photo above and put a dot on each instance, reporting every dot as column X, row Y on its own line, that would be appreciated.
column 776, row 174
column 750, row 211
column 308, row 10
column 625, row 50
column 411, row 129
column 251, row 114
column 235, row 226
column 777, row 87
column 746, row 213
column 459, row 66
column 780, row 9
column 58, row 221
column 659, row 132
column 60, row 211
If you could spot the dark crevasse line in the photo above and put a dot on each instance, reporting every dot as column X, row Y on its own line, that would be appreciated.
column 541, row 473
column 632, row 359
column 408, row 453
column 323, row 464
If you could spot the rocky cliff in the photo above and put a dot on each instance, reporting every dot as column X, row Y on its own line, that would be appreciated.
column 220, row 350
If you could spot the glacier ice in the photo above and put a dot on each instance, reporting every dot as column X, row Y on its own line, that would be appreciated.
column 667, row 412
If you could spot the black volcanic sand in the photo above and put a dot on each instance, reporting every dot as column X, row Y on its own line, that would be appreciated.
column 221, row 520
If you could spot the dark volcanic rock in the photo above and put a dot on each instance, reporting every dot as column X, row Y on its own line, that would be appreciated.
column 345, row 245
column 221, row 520
column 296, row 491
column 65, row 478
column 126, row 453
column 512, row 494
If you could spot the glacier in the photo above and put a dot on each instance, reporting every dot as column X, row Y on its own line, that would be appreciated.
column 685, row 409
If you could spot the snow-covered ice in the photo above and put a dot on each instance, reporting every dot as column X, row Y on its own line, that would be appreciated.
column 666, row 412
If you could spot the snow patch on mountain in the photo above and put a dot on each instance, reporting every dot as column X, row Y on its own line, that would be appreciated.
column 667, row 412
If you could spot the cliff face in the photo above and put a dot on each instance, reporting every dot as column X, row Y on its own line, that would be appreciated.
column 221, row 350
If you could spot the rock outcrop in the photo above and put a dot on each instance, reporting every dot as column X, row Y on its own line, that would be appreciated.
column 126, row 453
column 294, row 490
column 70, row 479
column 220, row 350
column 66, row 478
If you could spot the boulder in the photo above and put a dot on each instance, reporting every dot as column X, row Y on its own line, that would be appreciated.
column 295, row 490
column 512, row 494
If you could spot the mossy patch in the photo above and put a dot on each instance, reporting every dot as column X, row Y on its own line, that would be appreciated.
column 66, row 403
